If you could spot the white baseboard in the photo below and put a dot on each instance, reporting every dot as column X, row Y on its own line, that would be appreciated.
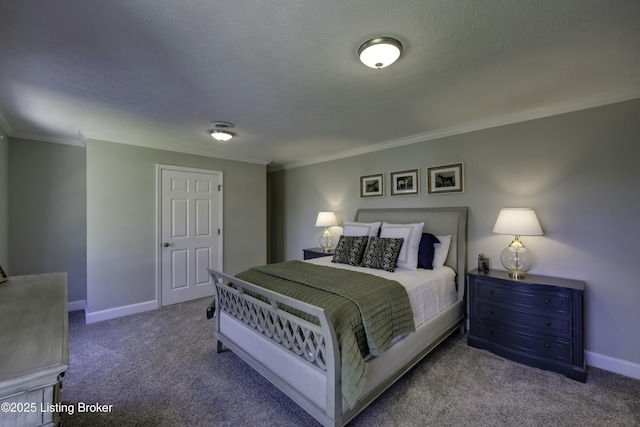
column 112, row 313
column 76, row 305
column 611, row 364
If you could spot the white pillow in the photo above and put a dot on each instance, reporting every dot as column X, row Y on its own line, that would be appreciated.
column 441, row 250
column 411, row 233
column 361, row 229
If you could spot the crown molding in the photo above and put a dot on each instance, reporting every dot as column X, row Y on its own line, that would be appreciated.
column 79, row 141
column 183, row 150
column 214, row 155
column 5, row 123
column 539, row 113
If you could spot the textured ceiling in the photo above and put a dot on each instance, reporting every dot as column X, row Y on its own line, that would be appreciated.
column 156, row 73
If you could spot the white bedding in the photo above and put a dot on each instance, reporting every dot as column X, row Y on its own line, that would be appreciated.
column 430, row 291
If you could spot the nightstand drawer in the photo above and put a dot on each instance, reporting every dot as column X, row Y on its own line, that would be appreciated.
column 547, row 347
column 523, row 294
column 551, row 325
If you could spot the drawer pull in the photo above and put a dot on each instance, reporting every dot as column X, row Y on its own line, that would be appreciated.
column 547, row 323
column 491, row 331
column 491, row 310
column 491, row 292
column 547, row 346
column 547, row 301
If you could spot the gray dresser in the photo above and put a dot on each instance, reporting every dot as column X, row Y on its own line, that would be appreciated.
column 34, row 349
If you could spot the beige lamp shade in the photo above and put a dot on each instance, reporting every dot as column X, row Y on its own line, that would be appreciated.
column 326, row 219
column 518, row 222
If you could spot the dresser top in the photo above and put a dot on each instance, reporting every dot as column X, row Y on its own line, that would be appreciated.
column 532, row 279
column 33, row 326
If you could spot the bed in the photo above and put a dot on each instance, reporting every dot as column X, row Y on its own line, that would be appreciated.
column 295, row 345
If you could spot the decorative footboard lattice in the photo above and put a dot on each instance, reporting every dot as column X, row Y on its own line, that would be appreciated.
column 295, row 334
column 300, row 329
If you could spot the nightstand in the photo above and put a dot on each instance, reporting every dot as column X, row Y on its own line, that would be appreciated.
column 316, row 253
column 536, row 321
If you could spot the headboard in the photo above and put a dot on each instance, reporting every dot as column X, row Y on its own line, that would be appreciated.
column 438, row 221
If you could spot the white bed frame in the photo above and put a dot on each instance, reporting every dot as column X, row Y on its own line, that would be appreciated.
column 305, row 364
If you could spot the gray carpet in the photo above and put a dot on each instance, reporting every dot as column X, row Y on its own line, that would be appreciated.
column 159, row 369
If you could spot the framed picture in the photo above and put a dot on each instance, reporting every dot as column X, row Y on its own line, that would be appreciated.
column 372, row 185
column 445, row 179
column 404, row 183
column 3, row 275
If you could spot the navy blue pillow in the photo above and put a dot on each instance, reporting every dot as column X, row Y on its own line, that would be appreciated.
column 426, row 251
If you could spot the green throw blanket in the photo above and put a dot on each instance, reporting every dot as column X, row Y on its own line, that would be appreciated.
column 367, row 311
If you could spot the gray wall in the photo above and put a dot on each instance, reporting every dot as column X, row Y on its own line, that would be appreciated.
column 121, row 219
column 47, row 211
column 4, row 202
column 578, row 171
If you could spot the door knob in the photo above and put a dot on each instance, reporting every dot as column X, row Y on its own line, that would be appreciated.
column 165, row 244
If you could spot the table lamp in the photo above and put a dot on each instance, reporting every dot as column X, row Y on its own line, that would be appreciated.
column 326, row 220
column 517, row 222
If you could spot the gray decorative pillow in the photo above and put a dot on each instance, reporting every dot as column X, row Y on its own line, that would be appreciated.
column 350, row 250
column 382, row 253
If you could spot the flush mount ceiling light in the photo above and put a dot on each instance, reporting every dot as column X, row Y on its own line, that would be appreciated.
column 221, row 135
column 220, row 131
column 380, row 52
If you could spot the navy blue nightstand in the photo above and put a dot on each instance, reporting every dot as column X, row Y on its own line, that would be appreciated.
column 536, row 321
column 315, row 253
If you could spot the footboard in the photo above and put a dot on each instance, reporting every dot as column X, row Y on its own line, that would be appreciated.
column 268, row 322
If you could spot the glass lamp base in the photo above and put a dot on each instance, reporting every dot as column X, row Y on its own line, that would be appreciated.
column 325, row 240
column 516, row 260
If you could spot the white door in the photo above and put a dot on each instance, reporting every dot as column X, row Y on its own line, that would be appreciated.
column 190, row 232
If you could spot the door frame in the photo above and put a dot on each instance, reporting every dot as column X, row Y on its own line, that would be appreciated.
column 159, row 169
